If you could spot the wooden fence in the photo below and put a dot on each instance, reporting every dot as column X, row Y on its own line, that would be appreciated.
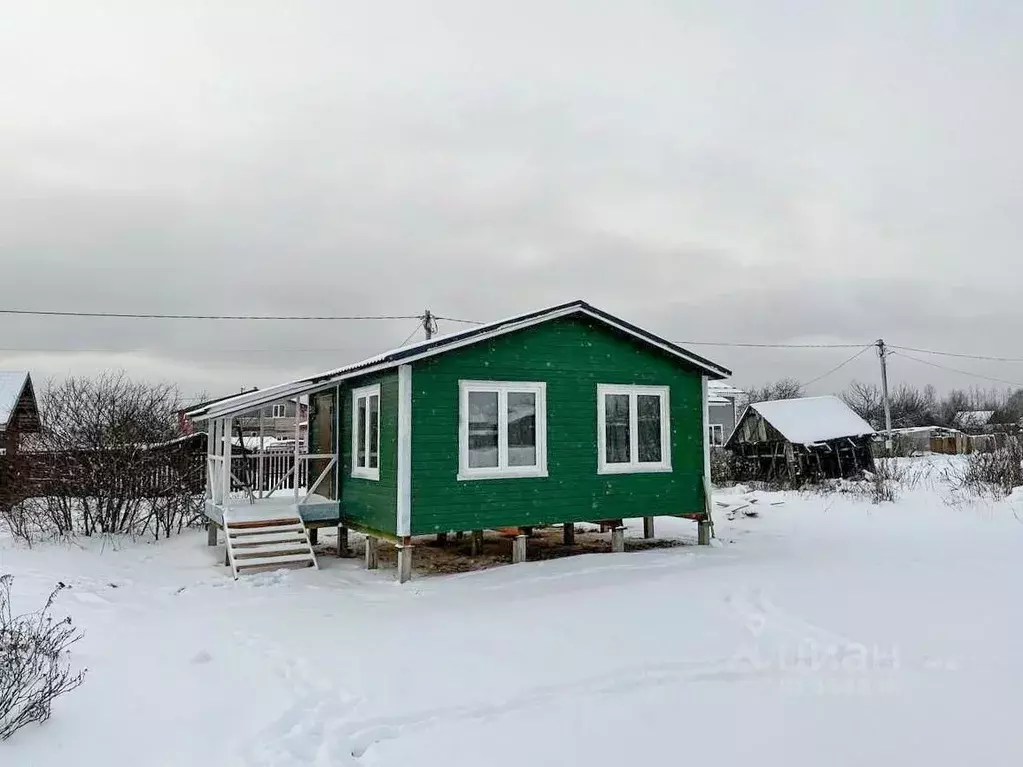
column 157, row 471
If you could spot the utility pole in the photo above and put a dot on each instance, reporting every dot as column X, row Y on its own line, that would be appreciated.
column 429, row 324
column 882, row 353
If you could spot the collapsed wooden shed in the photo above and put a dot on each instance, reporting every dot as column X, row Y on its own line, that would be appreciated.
column 803, row 439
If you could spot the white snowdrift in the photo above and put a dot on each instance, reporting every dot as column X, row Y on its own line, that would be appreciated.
column 823, row 631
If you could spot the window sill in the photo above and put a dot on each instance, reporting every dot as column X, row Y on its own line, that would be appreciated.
column 497, row 474
column 363, row 474
column 634, row 468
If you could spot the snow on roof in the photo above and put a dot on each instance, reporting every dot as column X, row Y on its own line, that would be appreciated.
column 812, row 419
column 437, row 345
column 12, row 384
column 723, row 388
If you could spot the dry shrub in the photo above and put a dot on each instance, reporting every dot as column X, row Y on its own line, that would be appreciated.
column 995, row 473
column 34, row 665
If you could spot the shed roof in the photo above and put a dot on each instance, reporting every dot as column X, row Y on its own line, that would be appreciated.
column 12, row 385
column 441, row 344
column 807, row 420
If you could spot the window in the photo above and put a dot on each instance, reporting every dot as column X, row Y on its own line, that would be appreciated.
column 502, row 429
column 366, row 432
column 717, row 434
column 633, row 429
column 278, row 411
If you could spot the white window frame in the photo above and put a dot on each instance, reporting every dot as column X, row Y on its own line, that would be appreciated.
column 502, row 389
column 365, row 472
column 718, row 428
column 634, row 466
column 283, row 411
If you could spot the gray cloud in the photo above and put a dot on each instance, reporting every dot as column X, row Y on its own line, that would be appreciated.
column 714, row 173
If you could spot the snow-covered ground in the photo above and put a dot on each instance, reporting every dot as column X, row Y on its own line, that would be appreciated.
column 825, row 630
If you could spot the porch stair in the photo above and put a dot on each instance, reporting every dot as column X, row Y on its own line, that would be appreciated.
column 257, row 544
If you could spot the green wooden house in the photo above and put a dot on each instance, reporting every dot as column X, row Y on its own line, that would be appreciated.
column 559, row 416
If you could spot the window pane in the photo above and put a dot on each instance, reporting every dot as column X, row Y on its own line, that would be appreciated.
column 616, row 428
column 374, row 432
column 360, row 433
column 482, row 429
column 521, row 429
column 648, row 412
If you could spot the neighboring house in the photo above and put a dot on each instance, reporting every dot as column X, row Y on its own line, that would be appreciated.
column 277, row 423
column 19, row 412
column 973, row 420
column 803, row 438
column 564, row 415
column 724, row 411
column 920, row 439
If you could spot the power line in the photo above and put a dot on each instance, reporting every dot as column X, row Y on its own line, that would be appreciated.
column 120, row 315
column 771, row 346
column 837, row 367
column 956, row 354
column 415, row 330
column 955, row 370
column 453, row 319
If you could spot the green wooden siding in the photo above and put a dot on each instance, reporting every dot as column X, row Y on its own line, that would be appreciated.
column 367, row 502
column 572, row 356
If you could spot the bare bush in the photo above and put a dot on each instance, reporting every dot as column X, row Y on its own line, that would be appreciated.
column 109, row 459
column 34, row 665
column 996, row 473
column 889, row 479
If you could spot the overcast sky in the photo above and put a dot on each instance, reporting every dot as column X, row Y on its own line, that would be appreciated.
column 787, row 171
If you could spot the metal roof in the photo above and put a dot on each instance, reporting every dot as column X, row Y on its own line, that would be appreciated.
column 246, row 402
column 807, row 420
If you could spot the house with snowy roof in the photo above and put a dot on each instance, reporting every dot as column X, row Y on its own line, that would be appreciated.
column 19, row 412
column 563, row 415
column 724, row 410
column 804, row 438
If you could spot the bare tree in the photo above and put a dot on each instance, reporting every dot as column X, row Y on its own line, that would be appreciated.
column 866, row 401
column 108, row 460
column 785, row 388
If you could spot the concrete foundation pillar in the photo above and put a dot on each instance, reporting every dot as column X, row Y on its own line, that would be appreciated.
column 372, row 553
column 519, row 549
column 211, row 534
column 477, row 542
column 342, row 541
column 568, row 533
column 442, row 538
column 703, row 530
column 618, row 540
column 314, row 535
column 404, row 564
column 648, row 527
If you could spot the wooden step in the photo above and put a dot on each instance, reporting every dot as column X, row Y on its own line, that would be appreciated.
column 288, row 559
column 272, row 550
column 250, row 524
column 251, row 541
column 235, row 532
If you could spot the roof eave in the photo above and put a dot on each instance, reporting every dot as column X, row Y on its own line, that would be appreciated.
column 424, row 351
